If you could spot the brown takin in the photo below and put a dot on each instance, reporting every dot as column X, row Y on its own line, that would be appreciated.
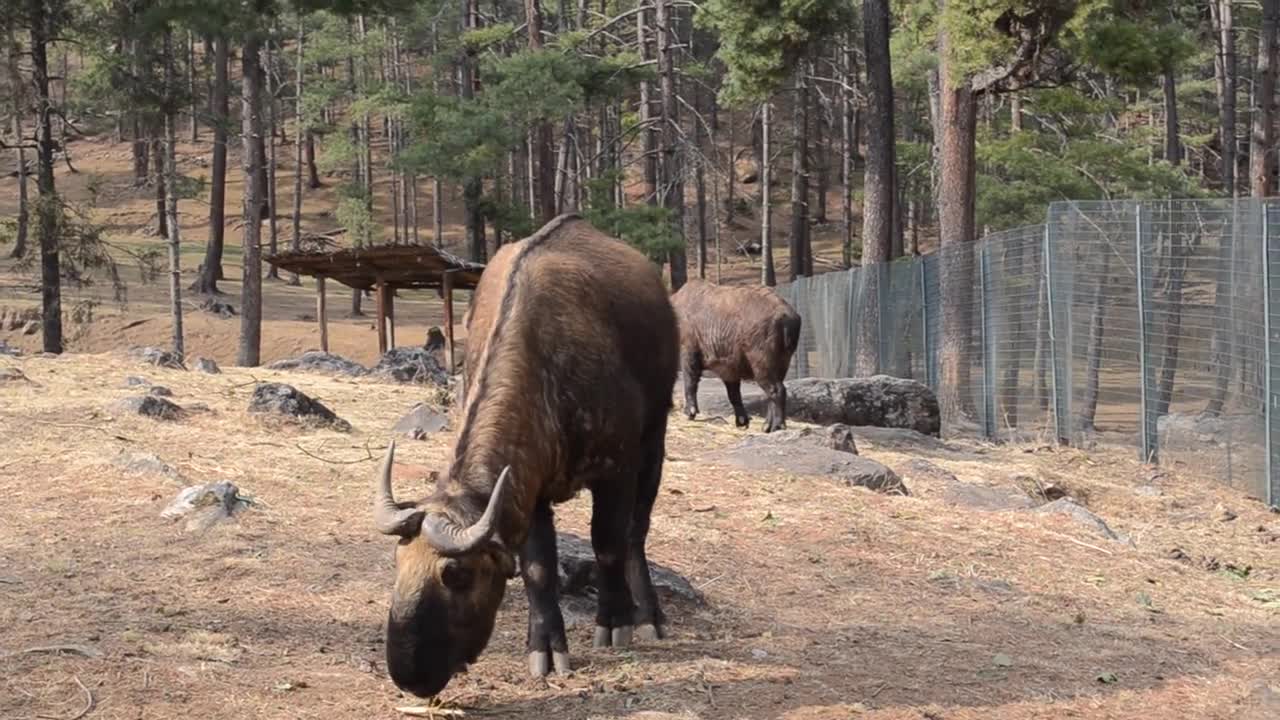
column 738, row 333
column 569, row 377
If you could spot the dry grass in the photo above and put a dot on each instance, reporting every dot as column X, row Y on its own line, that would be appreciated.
column 823, row 602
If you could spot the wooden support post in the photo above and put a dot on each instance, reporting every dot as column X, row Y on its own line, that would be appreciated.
column 391, row 317
column 447, row 288
column 381, row 297
column 322, row 313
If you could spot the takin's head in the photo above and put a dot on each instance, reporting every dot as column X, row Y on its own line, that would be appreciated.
column 449, row 582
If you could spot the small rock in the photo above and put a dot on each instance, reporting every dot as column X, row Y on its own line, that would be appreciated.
column 160, row 391
column 836, row 437
column 435, row 340
column 282, row 399
column 322, row 362
column 917, row 468
column 207, row 366
column 420, row 422
column 158, row 357
column 984, row 498
column 760, row 452
column 145, row 464
column 149, row 406
column 578, row 571
column 1081, row 515
column 31, row 328
column 1222, row 513
column 221, row 308
column 1001, row 660
column 1148, row 491
column 206, row 504
column 759, row 654
column 135, row 381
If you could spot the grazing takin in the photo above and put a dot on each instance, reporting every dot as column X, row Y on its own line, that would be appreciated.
column 738, row 333
column 570, row 371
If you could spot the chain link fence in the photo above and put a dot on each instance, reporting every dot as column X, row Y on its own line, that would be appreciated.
column 1145, row 323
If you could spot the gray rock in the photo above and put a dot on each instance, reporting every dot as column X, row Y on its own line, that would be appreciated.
column 207, row 366
column 158, row 357
column 412, row 365
column 206, row 505
column 986, row 498
column 149, row 406
column 420, row 422
column 903, row 439
column 321, row 362
column 1080, row 514
column 286, row 400
column 1148, row 491
column 221, row 308
column 159, row 391
column 135, row 381
column 578, row 571
column 755, row 452
column 877, row 401
column 435, row 340
column 145, row 464
column 836, row 437
column 1190, row 430
column 917, row 468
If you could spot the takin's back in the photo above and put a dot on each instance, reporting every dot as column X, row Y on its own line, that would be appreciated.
column 727, row 322
column 588, row 310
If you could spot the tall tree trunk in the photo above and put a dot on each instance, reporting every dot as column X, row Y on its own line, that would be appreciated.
column 799, row 249
column 18, row 108
column 821, row 167
column 1172, row 144
column 650, row 164
column 358, row 178
column 437, row 192
column 473, row 188
column 958, row 118
column 211, row 269
column 1262, row 138
column 272, row 89
column 170, row 180
column 672, row 172
column 1093, row 353
column 1173, row 321
column 141, row 142
column 705, row 151
column 879, row 193
column 301, row 137
column 157, row 174
column 48, row 208
column 848, row 146
column 192, row 89
column 313, row 173
column 254, row 198
column 544, row 157
column 768, row 276
column 1225, row 71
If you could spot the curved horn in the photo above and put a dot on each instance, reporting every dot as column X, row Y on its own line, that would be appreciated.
column 450, row 539
column 388, row 517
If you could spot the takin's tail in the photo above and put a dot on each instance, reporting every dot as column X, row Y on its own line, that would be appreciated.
column 791, row 333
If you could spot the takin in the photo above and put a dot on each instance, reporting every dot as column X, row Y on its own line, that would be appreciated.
column 568, row 385
column 738, row 333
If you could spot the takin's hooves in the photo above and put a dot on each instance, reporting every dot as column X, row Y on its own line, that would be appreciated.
column 650, row 633
column 691, row 414
column 541, row 663
column 742, row 422
column 616, row 637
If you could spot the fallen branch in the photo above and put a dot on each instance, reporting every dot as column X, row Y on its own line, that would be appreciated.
column 308, row 453
column 429, row 711
column 1081, row 543
column 81, row 650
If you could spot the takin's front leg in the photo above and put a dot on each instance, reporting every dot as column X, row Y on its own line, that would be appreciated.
column 691, row 367
column 776, row 419
column 539, row 567
column 611, row 512
column 740, row 416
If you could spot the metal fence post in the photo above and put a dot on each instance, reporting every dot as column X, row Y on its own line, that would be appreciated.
column 1057, row 385
column 930, row 378
column 988, row 342
column 1149, row 433
column 1272, row 491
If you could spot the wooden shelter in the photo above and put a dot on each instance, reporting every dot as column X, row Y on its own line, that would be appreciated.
column 385, row 269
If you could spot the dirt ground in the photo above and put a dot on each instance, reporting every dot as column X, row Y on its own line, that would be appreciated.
column 822, row 601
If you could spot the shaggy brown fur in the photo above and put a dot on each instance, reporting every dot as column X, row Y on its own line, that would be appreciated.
column 569, row 376
column 738, row 333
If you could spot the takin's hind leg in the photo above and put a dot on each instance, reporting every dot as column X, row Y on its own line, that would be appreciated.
column 650, row 621
column 539, row 567
column 611, row 513
column 691, row 367
column 740, row 416
column 776, row 418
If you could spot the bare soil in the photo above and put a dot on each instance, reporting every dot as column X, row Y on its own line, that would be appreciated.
column 822, row 601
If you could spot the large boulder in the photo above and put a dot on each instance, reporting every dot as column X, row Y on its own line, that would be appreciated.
column 412, row 365
column 288, row 401
column 876, row 401
column 320, row 362
column 809, row 455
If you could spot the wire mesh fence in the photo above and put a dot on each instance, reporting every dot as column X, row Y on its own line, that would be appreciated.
column 1147, row 323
